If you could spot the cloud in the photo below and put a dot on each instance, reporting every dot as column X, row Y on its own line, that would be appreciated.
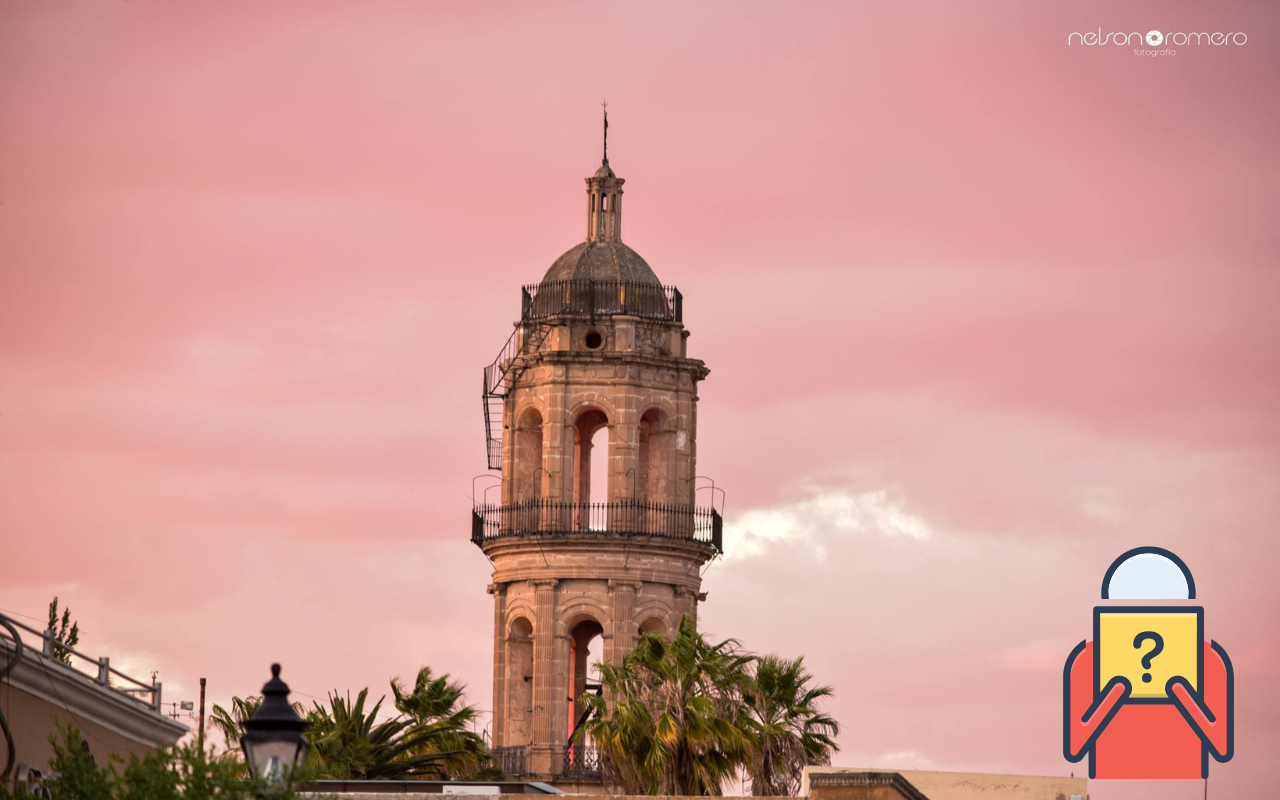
column 808, row 522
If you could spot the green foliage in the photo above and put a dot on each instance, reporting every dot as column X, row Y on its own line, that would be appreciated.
column 68, row 633
column 428, row 738
column 178, row 773
column 182, row 773
column 349, row 743
column 231, row 723
column 80, row 777
column 683, row 716
column 788, row 729
column 436, row 708
column 672, row 718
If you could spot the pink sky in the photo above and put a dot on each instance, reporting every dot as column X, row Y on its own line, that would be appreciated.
column 982, row 311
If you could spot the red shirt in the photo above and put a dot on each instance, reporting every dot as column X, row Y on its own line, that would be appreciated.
column 1164, row 740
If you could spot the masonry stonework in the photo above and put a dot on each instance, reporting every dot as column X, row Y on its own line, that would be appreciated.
column 581, row 571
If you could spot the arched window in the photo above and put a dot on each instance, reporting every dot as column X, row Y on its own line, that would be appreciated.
column 583, row 638
column 590, row 465
column 653, row 625
column 519, row 683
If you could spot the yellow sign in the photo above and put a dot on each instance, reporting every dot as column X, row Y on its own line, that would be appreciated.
column 1148, row 646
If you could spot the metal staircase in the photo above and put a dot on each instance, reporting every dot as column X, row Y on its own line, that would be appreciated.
column 501, row 376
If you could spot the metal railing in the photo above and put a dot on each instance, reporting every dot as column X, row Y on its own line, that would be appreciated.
column 499, row 377
column 513, row 760
column 625, row 518
column 101, row 670
column 581, row 761
column 601, row 298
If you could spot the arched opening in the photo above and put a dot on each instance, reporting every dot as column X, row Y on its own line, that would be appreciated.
column 582, row 638
column 590, row 467
column 519, row 729
column 653, row 474
column 528, row 457
column 653, row 625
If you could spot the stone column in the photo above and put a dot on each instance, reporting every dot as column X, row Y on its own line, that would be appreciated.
column 506, row 435
column 560, row 700
column 684, row 446
column 627, row 461
column 621, row 637
column 499, row 592
column 545, row 683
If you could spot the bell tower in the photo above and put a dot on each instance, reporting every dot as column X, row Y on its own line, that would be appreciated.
column 596, row 370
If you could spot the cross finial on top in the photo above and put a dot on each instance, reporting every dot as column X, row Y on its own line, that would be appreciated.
column 605, row 106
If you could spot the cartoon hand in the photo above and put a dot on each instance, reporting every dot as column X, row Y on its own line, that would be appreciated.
column 1081, row 733
column 1216, row 733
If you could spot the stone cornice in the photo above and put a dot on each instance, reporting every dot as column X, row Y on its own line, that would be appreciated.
column 696, row 368
column 84, row 698
column 690, row 582
column 894, row 779
column 590, row 544
column 684, row 589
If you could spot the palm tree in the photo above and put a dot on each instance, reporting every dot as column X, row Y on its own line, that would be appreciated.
column 788, row 731
column 438, row 714
column 231, row 723
column 349, row 744
column 671, row 718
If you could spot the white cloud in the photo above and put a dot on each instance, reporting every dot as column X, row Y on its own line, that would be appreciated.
column 823, row 514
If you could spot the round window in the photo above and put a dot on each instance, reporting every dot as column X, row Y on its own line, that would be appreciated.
column 593, row 340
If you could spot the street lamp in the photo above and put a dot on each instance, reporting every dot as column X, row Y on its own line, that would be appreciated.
column 274, row 742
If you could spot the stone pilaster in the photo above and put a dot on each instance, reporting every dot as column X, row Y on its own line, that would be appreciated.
column 545, row 684
column 623, row 631
column 500, row 694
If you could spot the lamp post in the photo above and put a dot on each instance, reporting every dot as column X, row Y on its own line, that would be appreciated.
column 274, row 742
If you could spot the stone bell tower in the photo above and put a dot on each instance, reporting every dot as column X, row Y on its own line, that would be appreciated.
column 596, row 368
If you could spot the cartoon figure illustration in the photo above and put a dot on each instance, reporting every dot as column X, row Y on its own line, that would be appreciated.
column 1148, row 697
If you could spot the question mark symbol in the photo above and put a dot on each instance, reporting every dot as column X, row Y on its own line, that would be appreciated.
column 1155, row 651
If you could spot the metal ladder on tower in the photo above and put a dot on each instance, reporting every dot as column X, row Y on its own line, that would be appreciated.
column 501, row 376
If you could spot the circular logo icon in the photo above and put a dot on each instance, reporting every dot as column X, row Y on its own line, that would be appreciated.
column 1155, row 38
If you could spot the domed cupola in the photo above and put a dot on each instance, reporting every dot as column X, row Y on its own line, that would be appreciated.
column 602, row 257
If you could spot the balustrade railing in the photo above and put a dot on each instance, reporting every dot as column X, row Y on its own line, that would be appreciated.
column 512, row 760
column 581, row 761
column 625, row 518
column 98, row 670
column 601, row 298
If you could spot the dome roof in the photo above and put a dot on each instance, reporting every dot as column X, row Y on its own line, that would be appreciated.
column 601, row 261
column 1148, row 573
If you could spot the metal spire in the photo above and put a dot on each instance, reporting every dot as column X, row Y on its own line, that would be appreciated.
column 605, row 105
